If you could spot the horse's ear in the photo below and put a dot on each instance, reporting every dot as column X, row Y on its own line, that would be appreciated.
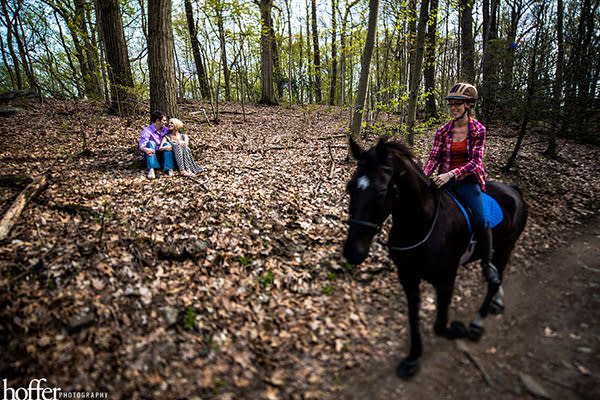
column 355, row 148
column 381, row 151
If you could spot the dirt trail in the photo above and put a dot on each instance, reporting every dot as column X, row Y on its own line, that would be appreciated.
column 550, row 331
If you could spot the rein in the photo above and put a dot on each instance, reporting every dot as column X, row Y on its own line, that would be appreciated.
column 371, row 225
column 426, row 238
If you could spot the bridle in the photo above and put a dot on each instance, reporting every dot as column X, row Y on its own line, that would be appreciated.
column 372, row 225
column 428, row 235
column 377, row 227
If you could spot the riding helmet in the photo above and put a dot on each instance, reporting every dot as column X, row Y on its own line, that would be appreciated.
column 463, row 91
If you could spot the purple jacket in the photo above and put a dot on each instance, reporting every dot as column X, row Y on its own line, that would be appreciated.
column 151, row 134
column 441, row 150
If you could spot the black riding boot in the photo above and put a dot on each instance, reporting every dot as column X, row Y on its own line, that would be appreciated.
column 489, row 270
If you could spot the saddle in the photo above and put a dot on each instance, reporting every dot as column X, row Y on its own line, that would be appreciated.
column 493, row 214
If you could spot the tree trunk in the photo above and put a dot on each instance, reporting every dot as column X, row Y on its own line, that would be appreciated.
column 89, row 56
column 365, row 65
column 25, row 59
column 266, row 56
column 278, row 74
column 123, row 96
column 489, row 60
column 415, row 70
column 160, row 58
column 467, row 70
column 552, row 148
column 226, row 71
column 287, row 6
column 9, row 41
column 531, row 79
column 316, row 53
column 6, row 63
column 202, row 77
column 412, row 41
column 309, row 69
column 430, row 56
column 333, row 80
column 68, row 55
column 343, row 53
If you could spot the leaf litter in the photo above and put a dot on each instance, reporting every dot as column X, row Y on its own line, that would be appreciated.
column 167, row 288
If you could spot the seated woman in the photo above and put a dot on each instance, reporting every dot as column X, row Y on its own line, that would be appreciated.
column 179, row 143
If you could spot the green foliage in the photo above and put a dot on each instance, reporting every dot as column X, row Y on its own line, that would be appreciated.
column 244, row 260
column 328, row 290
column 267, row 279
column 189, row 320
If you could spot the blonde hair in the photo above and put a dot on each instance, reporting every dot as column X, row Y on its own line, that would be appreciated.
column 176, row 123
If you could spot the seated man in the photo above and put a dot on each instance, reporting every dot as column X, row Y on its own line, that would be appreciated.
column 150, row 143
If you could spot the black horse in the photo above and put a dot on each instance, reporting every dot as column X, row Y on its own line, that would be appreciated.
column 428, row 236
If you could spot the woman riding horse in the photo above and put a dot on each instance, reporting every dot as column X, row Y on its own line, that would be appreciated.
column 458, row 152
column 428, row 236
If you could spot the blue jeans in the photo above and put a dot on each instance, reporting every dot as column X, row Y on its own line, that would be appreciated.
column 470, row 192
column 153, row 161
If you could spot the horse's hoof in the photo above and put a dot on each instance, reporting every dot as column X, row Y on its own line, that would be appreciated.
column 496, row 308
column 456, row 330
column 407, row 369
column 475, row 332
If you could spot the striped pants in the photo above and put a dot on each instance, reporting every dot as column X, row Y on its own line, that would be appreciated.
column 184, row 159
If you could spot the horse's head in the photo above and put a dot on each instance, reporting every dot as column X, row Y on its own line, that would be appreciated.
column 371, row 196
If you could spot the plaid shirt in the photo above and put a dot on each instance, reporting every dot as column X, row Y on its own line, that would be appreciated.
column 441, row 150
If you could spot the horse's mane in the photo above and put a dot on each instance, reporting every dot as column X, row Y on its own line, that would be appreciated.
column 402, row 150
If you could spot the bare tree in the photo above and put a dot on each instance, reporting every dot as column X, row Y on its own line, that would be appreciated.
column 124, row 99
column 160, row 57
column 316, row 53
column 333, row 80
column 415, row 70
column 343, row 51
column 365, row 66
column 201, row 71
column 430, row 57
column 266, row 55
column 467, row 70
column 226, row 71
column 551, row 150
column 531, row 84
column 9, row 21
column 289, row 23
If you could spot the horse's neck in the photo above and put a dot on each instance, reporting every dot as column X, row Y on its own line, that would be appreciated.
column 415, row 203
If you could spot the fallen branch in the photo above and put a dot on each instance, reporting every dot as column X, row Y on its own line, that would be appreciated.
column 17, row 207
column 204, row 112
column 202, row 185
column 463, row 347
column 294, row 147
column 343, row 135
column 332, row 163
column 14, row 180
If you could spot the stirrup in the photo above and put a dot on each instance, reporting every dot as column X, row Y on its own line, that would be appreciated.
column 490, row 272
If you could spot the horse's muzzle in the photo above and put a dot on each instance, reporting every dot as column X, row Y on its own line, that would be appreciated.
column 354, row 252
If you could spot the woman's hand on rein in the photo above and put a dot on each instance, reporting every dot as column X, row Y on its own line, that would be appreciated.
column 442, row 179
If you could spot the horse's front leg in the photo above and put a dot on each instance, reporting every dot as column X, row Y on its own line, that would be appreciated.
column 409, row 366
column 444, row 296
column 476, row 329
column 493, row 298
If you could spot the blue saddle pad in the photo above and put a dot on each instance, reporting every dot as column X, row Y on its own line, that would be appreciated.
column 491, row 208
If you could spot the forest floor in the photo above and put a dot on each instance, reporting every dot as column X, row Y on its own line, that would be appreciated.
column 233, row 285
